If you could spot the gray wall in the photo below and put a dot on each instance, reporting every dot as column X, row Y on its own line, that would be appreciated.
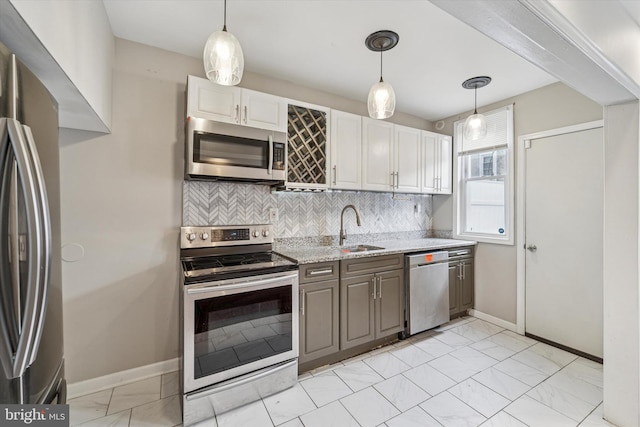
column 550, row 107
column 121, row 198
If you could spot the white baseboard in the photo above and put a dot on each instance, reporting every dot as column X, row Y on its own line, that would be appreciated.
column 116, row 379
column 491, row 319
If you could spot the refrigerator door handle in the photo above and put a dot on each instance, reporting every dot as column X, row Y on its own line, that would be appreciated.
column 14, row 244
column 9, row 332
column 45, row 262
column 37, row 259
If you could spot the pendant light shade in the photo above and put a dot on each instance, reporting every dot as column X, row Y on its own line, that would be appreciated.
column 223, row 58
column 381, row 102
column 475, row 127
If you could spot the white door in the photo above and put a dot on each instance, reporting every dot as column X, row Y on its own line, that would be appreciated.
column 564, row 196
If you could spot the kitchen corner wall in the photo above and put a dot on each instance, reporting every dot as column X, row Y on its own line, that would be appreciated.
column 303, row 213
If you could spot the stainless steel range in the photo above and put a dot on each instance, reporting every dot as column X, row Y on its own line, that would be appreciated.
column 240, row 318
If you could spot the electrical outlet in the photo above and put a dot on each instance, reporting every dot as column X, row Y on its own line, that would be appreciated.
column 273, row 215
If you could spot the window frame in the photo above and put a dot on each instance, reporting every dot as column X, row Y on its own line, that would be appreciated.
column 459, row 214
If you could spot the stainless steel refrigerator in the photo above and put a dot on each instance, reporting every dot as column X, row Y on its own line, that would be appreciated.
column 31, row 348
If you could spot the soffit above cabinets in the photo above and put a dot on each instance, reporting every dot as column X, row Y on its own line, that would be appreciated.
column 320, row 45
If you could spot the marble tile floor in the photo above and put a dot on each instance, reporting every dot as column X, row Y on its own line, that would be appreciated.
column 466, row 373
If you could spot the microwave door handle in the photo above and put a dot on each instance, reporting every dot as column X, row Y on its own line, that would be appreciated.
column 270, row 166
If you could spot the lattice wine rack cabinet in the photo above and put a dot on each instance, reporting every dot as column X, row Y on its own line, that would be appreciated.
column 307, row 158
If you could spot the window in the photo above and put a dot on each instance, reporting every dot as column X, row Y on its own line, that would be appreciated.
column 483, row 194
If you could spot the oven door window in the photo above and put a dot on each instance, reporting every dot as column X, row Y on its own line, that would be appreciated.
column 230, row 150
column 233, row 330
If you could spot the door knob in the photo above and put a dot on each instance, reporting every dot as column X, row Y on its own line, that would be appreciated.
column 532, row 248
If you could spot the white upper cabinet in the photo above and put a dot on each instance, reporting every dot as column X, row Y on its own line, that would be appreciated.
column 377, row 153
column 436, row 160
column 264, row 111
column 230, row 104
column 207, row 100
column 446, row 162
column 346, row 150
column 406, row 160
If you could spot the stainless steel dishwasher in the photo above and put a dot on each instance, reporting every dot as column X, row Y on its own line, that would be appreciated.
column 427, row 291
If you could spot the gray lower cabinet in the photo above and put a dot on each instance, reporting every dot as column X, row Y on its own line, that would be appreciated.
column 466, row 284
column 371, row 305
column 389, row 310
column 357, row 324
column 319, row 311
column 461, row 284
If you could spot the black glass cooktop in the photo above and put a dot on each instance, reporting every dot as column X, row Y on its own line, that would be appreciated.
column 217, row 266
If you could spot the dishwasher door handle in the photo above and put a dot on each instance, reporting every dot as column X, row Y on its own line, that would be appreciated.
column 420, row 266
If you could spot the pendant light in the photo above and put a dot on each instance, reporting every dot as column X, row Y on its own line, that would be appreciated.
column 381, row 102
column 475, row 127
column 223, row 58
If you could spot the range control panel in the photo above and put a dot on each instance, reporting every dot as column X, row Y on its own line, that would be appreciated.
column 228, row 235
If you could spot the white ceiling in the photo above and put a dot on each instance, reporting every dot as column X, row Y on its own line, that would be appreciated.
column 320, row 44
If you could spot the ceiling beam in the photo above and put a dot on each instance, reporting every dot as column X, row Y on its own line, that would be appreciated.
column 539, row 33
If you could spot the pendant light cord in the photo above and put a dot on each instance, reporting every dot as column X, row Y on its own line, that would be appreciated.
column 475, row 100
column 224, row 25
column 381, row 64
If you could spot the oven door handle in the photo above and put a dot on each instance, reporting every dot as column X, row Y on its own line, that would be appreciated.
column 240, row 285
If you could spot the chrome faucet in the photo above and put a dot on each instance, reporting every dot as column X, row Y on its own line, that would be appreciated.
column 343, row 234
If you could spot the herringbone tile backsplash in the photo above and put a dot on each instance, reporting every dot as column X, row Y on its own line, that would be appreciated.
column 302, row 214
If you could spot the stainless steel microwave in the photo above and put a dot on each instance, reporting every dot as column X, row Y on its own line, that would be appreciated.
column 231, row 152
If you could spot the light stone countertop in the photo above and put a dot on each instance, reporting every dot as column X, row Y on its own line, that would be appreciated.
column 313, row 254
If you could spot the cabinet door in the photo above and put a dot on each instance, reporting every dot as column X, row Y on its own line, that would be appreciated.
column 357, row 324
column 264, row 111
column 445, row 164
column 406, row 155
column 454, row 286
column 429, row 162
column 377, row 162
column 207, row 100
column 389, row 303
column 319, row 314
column 346, row 150
column 436, row 163
column 466, row 285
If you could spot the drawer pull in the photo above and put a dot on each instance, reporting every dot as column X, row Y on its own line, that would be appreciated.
column 316, row 272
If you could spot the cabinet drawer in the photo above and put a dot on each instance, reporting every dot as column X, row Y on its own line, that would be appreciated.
column 319, row 271
column 359, row 266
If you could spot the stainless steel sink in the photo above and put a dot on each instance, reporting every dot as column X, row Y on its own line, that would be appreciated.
column 360, row 248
